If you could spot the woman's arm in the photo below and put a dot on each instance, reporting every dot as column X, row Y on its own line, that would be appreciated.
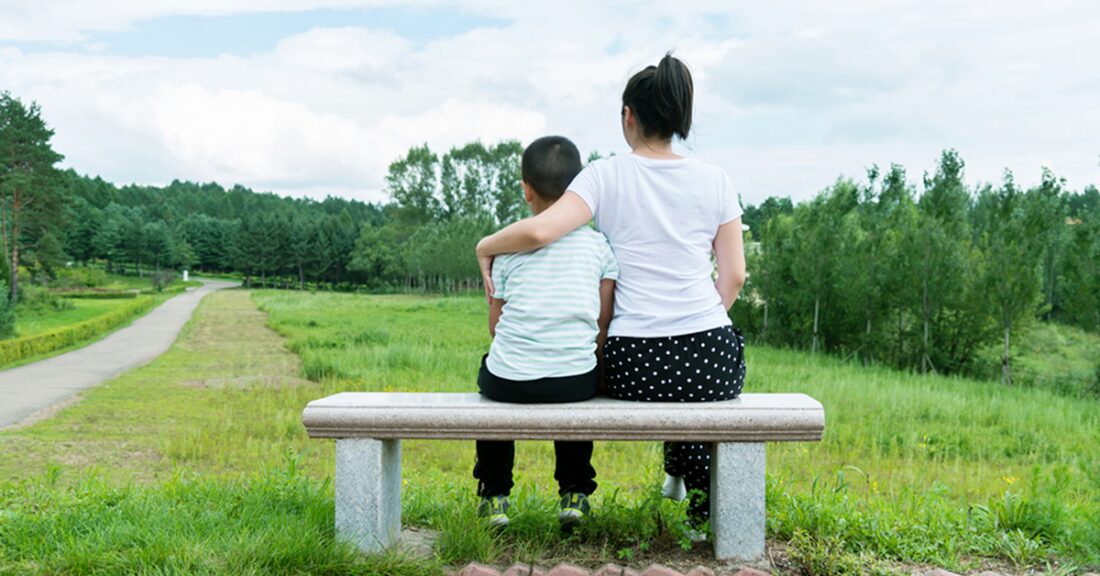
column 729, row 252
column 561, row 218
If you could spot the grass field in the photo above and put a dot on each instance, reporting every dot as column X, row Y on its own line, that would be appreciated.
column 197, row 463
column 41, row 319
column 1061, row 358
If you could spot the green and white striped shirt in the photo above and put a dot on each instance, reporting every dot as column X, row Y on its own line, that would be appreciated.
column 549, row 322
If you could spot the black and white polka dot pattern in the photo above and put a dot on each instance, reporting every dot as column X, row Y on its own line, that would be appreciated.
column 702, row 367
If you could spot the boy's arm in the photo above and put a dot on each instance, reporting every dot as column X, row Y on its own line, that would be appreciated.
column 607, row 306
column 496, row 306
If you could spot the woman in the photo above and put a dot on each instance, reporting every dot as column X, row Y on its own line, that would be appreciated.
column 665, row 216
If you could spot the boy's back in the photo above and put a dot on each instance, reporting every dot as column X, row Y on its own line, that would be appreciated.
column 549, row 324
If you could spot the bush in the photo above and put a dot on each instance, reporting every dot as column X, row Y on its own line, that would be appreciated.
column 18, row 349
column 7, row 315
column 80, row 278
column 97, row 294
column 38, row 298
column 161, row 279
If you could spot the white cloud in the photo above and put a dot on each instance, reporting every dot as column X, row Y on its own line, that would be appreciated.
column 789, row 94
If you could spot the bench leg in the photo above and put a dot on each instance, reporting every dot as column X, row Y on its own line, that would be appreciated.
column 368, row 492
column 737, row 501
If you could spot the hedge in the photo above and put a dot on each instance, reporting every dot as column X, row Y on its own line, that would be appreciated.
column 23, row 347
column 96, row 295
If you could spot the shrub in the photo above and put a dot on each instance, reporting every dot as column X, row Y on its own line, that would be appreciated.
column 38, row 298
column 7, row 315
column 97, row 294
column 161, row 279
column 18, row 349
column 80, row 278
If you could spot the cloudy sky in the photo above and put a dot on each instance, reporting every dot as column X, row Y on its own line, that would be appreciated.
column 316, row 97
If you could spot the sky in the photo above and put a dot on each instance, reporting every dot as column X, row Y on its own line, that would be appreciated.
column 317, row 97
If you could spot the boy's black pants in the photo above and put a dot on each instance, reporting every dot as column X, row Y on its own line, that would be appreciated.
column 573, row 460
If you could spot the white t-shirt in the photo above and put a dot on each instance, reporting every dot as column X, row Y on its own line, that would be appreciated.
column 661, row 217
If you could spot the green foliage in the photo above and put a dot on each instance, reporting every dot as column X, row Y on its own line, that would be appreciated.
column 1050, row 355
column 270, row 522
column 7, row 317
column 930, row 282
column 29, row 190
column 17, row 349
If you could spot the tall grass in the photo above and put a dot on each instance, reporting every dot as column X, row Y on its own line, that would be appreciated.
column 912, row 468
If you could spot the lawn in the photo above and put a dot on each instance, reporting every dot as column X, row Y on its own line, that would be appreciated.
column 43, row 318
column 913, row 469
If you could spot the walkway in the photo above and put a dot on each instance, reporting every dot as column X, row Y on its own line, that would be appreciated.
column 29, row 389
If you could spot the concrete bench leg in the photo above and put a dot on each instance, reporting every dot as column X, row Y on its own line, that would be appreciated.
column 737, row 501
column 368, row 492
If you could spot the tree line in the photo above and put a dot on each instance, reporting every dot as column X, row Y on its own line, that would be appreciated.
column 441, row 204
column 878, row 271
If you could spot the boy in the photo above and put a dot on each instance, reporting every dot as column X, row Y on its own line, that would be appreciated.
column 548, row 315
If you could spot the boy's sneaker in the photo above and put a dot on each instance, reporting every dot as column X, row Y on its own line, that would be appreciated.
column 674, row 488
column 695, row 535
column 495, row 509
column 574, row 508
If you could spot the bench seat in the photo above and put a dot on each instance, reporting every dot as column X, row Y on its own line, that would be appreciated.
column 369, row 427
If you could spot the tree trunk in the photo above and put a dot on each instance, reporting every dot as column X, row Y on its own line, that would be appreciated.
column 301, row 278
column 817, row 302
column 901, row 339
column 14, row 283
column 1006, row 372
column 764, row 329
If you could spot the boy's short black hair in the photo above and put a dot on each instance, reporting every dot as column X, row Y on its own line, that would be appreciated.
column 549, row 165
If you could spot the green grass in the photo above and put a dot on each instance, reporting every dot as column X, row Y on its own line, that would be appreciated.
column 1064, row 359
column 913, row 469
column 42, row 319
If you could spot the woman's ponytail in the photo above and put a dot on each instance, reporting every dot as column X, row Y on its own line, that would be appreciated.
column 661, row 98
column 674, row 91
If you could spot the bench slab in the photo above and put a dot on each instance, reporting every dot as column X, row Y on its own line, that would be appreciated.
column 369, row 426
column 441, row 415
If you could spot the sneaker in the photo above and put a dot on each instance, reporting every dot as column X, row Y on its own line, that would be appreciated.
column 574, row 507
column 495, row 509
column 674, row 488
column 695, row 535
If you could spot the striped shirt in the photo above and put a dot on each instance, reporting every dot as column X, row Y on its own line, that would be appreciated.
column 548, row 325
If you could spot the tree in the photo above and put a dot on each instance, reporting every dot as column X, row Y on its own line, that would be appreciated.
column 412, row 183
column 29, row 188
column 48, row 255
column 1080, row 271
column 1012, row 276
column 185, row 256
column 940, row 246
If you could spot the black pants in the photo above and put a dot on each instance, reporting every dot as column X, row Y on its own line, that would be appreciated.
column 702, row 367
column 573, row 460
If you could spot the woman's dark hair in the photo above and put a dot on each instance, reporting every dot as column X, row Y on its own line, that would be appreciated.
column 660, row 97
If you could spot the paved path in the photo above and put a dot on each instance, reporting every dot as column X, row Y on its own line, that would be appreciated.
column 28, row 389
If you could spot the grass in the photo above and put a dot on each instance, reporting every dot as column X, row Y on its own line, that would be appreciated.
column 913, row 469
column 44, row 318
column 1061, row 358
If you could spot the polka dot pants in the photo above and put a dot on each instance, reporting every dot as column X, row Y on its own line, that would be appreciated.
column 702, row 367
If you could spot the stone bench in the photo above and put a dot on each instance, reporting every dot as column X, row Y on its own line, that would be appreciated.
column 369, row 426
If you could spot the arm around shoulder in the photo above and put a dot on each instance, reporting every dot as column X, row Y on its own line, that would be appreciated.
column 564, row 216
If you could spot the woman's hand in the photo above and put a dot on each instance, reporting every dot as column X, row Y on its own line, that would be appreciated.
column 485, row 263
